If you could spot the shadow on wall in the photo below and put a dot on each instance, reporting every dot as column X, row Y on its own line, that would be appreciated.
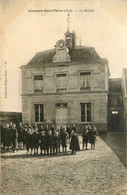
column 118, row 143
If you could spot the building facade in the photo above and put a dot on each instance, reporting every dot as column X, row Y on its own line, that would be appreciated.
column 115, row 105
column 66, row 85
column 124, row 88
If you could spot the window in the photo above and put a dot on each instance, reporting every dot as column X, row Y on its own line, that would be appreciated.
column 38, row 83
column 85, row 78
column 61, row 82
column 85, row 112
column 39, row 113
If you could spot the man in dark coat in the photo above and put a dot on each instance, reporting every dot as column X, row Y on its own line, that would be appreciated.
column 68, row 130
column 85, row 138
column 8, row 137
column 74, row 145
column 14, row 137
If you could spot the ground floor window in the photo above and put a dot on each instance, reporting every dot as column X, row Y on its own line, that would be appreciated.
column 85, row 112
column 39, row 112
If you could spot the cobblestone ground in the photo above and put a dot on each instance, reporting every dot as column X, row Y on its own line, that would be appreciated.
column 88, row 172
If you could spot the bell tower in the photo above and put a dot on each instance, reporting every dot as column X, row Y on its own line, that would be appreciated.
column 70, row 38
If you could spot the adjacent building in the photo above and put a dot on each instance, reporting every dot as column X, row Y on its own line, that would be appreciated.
column 115, row 105
column 124, row 87
column 67, row 84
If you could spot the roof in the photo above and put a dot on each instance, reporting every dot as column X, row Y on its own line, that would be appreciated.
column 115, row 85
column 80, row 53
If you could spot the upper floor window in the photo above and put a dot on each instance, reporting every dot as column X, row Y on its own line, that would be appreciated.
column 85, row 78
column 39, row 112
column 38, row 83
column 61, row 81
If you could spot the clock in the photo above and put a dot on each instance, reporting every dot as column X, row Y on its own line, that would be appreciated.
column 61, row 44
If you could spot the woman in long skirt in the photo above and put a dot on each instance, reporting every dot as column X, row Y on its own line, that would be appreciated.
column 74, row 144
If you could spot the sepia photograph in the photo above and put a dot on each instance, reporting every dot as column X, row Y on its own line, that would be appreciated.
column 63, row 97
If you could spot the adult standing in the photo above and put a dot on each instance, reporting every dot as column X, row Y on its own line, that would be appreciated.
column 68, row 130
column 85, row 138
column 74, row 144
column 14, row 137
column 20, row 135
column 8, row 137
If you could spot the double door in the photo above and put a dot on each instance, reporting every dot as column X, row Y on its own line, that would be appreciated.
column 61, row 114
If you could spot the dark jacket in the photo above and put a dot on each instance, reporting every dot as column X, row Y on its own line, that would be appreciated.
column 43, row 140
column 14, row 134
column 74, row 145
column 84, row 136
column 56, row 141
column 49, row 140
column 35, row 139
column 64, row 137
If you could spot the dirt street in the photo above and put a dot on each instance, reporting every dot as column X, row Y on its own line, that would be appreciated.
column 88, row 172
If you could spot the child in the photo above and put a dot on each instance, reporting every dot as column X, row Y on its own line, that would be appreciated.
column 56, row 142
column 74, row 145
column 59, row 139
column 41, row 129
column 49, row 142
column 24, row 136
column 28, row 140
column 92, row 137
column 35, row 140
column 84, row 138
column 43, row 142
column 64, row 137
column 52, row 129
column 20, row 135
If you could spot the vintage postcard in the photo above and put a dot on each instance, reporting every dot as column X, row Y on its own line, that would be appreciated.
column 63, row 97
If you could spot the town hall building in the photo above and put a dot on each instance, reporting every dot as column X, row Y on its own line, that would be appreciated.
column 65, row 85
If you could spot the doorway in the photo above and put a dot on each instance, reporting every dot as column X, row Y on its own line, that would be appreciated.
column 61, row 114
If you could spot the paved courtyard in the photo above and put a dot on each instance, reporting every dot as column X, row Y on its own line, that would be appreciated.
column 88, row 172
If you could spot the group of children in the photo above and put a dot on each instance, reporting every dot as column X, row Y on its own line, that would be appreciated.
column 46, row 139
column 50, row 140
